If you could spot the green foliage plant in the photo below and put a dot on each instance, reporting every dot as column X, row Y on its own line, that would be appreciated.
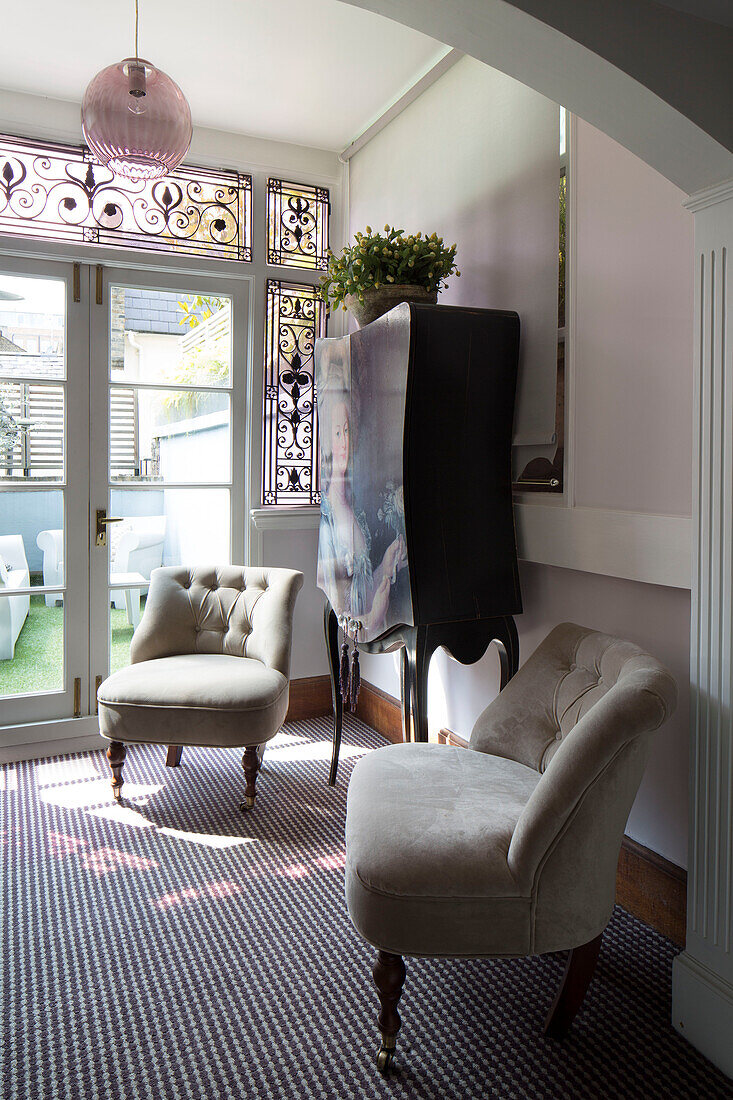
column 197, row 308
column 202, row 367
column 376, row 259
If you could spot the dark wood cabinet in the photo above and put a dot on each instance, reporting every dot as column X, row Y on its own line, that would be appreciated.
column 417, row 545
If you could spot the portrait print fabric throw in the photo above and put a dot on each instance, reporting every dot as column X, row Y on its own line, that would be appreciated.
column 363, row 568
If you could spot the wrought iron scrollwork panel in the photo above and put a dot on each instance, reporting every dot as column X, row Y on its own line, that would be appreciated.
column 59, row 192
column 297, row 224
column 295, row 317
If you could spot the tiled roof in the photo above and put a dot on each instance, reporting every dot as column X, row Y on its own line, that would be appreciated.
column 153, row 311
column 7, row 347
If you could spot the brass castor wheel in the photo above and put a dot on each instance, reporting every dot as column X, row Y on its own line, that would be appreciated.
column 248, row 804
column 384, row 1060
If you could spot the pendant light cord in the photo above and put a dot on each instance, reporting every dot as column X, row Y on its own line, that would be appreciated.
column 137, row 55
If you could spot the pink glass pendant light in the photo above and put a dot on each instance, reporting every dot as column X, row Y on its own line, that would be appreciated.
column 135, row 119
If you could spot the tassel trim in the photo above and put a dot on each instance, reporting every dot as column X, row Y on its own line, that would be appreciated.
column 344, row 677
column 355, row 682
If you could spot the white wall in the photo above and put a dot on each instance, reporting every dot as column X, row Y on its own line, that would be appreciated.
column 475, row 159
column 630, row 406
column 59, row 120
column 298, row 550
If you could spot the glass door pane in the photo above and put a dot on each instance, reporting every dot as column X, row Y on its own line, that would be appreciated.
column 172, row 471
column 43, row 399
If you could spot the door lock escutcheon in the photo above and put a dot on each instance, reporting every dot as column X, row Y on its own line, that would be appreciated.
column 102, row 520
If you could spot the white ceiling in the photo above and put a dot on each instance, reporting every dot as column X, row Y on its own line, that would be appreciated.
column 314, row 72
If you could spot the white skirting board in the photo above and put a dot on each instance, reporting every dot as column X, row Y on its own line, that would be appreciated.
column 703, row 1010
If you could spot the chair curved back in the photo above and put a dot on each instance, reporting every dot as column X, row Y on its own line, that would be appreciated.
column 52, row 544
column 235, row 610
column 12, row 551
column 139, row 547
column 580, row 711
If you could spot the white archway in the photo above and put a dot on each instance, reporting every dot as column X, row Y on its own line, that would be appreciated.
column 552, row 63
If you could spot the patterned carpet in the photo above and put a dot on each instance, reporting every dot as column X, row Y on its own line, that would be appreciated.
column 175, row 948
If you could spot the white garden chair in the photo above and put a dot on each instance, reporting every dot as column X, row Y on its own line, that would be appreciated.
column 14, row 573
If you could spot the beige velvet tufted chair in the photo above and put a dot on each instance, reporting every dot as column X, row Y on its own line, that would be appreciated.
column 508, row 847
column 210, row 666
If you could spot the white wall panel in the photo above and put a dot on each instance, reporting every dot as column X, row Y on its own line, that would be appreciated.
column 297, row 550
column 703, row 973
column 633, row 340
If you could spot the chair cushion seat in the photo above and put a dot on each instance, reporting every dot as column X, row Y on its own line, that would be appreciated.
column 194, row 699
column 428, row 829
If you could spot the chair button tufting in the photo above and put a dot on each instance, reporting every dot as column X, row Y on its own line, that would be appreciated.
column 573, row 667
column 197, row 628
column 558, row 735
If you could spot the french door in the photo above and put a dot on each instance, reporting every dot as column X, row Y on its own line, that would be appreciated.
column 122, row 418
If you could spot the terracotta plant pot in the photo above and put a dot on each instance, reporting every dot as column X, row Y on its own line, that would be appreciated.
column 381, row 300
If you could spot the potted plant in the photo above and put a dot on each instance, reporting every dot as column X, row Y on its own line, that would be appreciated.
column 378, row 271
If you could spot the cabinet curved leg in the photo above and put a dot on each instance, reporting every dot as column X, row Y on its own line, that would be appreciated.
column 504, row 662
column 405, row 694
column 331, row 631
column 507, row 640
column 513, row 636
column 421, row 654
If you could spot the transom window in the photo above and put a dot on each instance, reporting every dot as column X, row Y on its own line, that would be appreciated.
column 60, row 193
column 297, row 225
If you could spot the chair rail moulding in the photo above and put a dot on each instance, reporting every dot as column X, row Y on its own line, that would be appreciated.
column 636, row 546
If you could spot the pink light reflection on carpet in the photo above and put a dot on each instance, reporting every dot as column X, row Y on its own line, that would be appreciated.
column 217, row 890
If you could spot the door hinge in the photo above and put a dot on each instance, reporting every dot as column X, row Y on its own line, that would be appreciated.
column 77, row 283
column 97, row 686
column 77, row 696
column 100, row 284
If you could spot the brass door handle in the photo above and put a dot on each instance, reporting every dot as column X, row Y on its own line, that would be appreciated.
column 102, row 520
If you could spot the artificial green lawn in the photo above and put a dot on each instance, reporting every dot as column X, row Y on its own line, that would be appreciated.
column 38, row 661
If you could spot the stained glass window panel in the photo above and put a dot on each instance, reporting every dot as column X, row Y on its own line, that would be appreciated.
column 296, row 316
column 297, row 225
column 60, row 193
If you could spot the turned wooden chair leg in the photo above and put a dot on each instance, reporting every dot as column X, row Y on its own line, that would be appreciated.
column 251, row 762
column 173, row 759
column 116, row 754
column 576, row 979
column 389, row 978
